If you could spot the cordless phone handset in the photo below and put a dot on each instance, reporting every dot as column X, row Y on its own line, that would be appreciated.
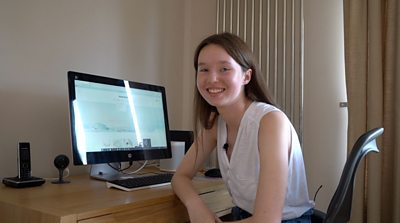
column 24, row 160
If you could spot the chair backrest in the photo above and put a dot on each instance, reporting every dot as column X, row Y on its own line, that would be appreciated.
column 339, row 208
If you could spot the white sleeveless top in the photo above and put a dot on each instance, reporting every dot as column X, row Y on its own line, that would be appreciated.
column 241, row 172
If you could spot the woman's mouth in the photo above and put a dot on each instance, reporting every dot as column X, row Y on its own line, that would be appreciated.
column 215, row 90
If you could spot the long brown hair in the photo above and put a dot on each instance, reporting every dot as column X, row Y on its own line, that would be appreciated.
column 256, row 90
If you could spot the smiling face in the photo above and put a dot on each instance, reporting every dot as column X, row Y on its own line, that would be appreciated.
column 220, row 79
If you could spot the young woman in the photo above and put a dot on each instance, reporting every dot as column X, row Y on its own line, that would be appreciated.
column 258, row 149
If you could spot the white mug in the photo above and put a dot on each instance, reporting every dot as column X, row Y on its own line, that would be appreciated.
column 178, row 151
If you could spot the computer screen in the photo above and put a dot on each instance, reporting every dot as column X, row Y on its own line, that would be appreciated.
column 114, row 120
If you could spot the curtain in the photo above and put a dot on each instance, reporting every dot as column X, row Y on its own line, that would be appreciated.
column 372, row 54
column 274, row 31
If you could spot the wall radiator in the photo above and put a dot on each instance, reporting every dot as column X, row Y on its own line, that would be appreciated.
column 274, row 31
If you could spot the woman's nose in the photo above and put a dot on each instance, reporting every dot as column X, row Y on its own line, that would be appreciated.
column 212, row 76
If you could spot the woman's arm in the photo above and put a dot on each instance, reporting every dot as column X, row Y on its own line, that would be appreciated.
column 190, row 165
column 274, row 139
column 274, row 148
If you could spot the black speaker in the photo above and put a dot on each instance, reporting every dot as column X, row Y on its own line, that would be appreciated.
column 61, row 162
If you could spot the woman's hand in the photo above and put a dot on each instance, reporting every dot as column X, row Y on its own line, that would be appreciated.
column 217, row 220
column 182, row 181
column 201, row 214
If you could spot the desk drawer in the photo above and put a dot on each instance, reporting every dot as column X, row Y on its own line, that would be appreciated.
column 172, row 211
column 167, row 212
column 219, row 201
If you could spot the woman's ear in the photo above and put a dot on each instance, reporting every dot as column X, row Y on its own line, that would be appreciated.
column 247, row 76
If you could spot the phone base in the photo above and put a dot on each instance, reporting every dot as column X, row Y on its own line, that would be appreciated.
column 22, row 183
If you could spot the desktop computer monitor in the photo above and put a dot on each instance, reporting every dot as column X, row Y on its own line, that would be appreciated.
column 114, row 120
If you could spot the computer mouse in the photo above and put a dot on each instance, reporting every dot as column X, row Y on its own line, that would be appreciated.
column 215, row 172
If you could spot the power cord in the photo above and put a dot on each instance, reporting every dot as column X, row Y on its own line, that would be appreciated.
column 119, row 168
column 56, row 178
column 315, row 195
column 137, row 170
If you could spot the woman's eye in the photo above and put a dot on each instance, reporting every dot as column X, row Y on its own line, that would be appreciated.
column 203, row 70
column 225, row 69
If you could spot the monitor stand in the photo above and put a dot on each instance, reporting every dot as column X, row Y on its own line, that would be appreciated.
column 104, row 172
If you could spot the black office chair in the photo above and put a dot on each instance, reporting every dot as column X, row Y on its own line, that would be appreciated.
column 339, row 209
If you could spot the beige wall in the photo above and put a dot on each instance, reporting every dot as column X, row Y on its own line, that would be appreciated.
column 325, row 123
column 40, row 41
column 200, row 22
column 149, row 41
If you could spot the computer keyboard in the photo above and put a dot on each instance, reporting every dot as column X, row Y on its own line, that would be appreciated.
column 141, row 182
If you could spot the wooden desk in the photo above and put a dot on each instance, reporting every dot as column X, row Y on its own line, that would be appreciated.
column 85, row 200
